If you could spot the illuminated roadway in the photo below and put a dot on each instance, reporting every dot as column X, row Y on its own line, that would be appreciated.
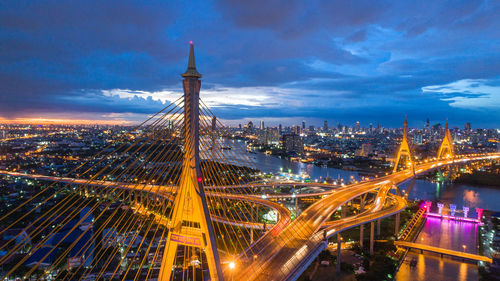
column 275, row 256
column 289, row 245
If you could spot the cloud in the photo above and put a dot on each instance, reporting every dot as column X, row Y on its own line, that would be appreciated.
column 469, row 93
column 356, row 60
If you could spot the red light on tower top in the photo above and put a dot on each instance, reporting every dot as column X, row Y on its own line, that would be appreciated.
column 191, row 42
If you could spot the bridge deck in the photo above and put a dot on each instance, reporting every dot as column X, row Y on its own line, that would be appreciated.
column 442, row 251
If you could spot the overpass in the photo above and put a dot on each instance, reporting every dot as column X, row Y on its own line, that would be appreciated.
column 442, row 251
column 290, row 246
column 297, row 241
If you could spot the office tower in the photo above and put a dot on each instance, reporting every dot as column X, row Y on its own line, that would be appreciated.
column 293, row 143
column 467, row 127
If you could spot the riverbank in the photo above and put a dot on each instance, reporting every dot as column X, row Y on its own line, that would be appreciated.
column 480, row 178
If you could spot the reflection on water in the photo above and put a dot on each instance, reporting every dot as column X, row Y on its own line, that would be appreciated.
column 471, row 198
column 272, row 164
column 460, row 194
column 453, row 235
column 449, row 234
column 433, row 267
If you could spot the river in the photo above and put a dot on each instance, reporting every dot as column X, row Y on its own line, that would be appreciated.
column 484, row 197
column 272, row 164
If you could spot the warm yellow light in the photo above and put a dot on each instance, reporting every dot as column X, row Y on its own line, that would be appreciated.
column 232, row 265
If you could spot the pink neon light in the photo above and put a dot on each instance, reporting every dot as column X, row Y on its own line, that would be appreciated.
column 479, row 213
column 191, row 42
column 453, row 218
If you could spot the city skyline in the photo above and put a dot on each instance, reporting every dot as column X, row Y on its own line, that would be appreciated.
column 118, row 62
column 183, row 196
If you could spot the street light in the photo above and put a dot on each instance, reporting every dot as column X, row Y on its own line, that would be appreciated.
column 463, row 246
column 232, row 265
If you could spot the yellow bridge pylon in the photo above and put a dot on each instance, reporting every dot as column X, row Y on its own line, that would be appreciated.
column 404, row 151
column 191, row 226
column 446, row 150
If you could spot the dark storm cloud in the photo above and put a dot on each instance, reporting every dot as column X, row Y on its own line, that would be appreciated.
column 343, row 60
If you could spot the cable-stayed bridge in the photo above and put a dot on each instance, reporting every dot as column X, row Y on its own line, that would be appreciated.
column 167, row 202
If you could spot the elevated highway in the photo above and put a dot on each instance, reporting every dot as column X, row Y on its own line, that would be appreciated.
column 274, row 253
column 289, row 246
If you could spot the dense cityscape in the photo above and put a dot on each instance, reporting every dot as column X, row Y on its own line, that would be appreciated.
column 50, row 152
column 57, row 149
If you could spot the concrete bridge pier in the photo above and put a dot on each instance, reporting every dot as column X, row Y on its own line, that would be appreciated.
column 339, row 243
column 361, row 230
column 396, row 230
column 361, row 227
column 251, row 219
column 372, row 232
column 131, row 198
column 140, row 196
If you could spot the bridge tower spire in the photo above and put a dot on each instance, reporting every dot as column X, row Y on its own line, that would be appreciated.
column 446, row 150
column 190, row 225
column 404, row 149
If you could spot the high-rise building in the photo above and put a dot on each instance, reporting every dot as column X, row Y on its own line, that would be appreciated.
column 418, row 137
column 358, row 127
column 250, row 127
column 280, row 129
column 366, row 149
column 325, row 126
column 303, row 124
column 293, row 143
column 170, row 124
column 467, row 127
column 371, row 129
column 262, row 124
column 427, row 124
column 269, row 136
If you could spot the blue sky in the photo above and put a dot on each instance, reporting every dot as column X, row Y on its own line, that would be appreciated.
column 280, row 61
